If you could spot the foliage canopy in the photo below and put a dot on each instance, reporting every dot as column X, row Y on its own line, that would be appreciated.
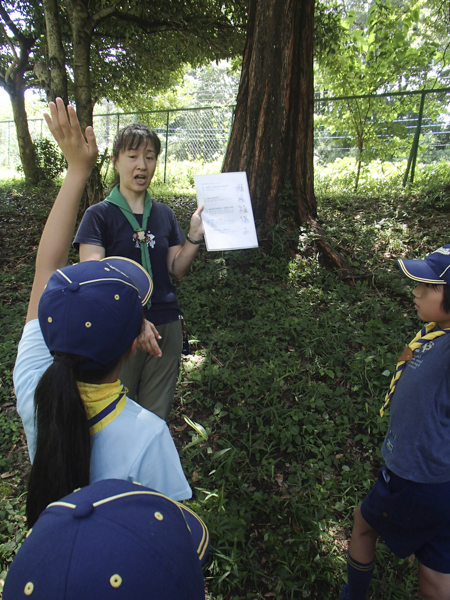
column 391, row 47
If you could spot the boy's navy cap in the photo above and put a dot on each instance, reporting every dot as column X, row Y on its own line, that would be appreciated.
column 94, row 308
column 111, row 540
column 434, row 268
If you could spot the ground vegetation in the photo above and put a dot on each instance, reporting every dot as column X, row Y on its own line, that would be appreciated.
column 277, row 407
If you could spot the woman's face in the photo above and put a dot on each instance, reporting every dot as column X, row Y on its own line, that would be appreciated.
column 136, row 168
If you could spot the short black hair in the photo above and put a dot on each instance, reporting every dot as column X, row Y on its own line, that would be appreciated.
column 132, row 137
column 446, row 300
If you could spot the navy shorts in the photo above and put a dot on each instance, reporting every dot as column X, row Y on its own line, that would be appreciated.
column 411, row 518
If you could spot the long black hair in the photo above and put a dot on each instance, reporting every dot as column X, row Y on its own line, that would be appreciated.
column 63, row 445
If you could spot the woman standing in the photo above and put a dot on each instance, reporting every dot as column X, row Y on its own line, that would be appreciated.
column 130, row 224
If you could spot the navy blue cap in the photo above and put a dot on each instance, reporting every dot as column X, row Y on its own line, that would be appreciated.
column 111, row 540
column 434, row 268
column 94, row 308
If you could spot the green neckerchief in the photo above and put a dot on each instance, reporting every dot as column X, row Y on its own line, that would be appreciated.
column 115, row 197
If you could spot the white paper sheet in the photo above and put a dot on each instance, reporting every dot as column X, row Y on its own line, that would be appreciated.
column 228, row 215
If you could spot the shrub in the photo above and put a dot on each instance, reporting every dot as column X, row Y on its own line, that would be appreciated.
column 50, row 160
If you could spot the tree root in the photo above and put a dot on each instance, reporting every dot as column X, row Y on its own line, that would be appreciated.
column 332, row 258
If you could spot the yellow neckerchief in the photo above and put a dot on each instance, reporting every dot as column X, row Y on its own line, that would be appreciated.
column 103, row 402
column 422, row 337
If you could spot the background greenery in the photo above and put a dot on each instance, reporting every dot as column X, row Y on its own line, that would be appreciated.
column 361, row 49
column 276, row 413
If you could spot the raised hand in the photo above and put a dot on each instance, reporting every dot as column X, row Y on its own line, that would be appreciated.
column 80, row 152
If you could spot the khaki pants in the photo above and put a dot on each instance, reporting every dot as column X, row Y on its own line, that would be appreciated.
column 150, row 380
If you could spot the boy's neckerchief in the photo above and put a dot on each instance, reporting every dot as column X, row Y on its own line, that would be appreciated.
column 422, row 337
column 103, row 403
column 116, row 198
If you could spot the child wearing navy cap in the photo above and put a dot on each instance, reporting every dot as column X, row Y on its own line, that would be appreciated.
column 409, row 505
column 82, row 323
column 111, row 540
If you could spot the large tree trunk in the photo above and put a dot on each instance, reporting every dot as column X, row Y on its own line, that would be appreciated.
column 15, row 85
column 82, row 27
column 56, row 56
column 272, row 137
column 26, row 148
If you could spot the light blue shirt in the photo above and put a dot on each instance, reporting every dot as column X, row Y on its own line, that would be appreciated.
column 135, row 446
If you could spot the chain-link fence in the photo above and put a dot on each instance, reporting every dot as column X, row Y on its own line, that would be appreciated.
column 391, row 127
column 9, row 149
column 197, row 135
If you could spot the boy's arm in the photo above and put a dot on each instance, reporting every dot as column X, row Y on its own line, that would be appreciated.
column 81, row 156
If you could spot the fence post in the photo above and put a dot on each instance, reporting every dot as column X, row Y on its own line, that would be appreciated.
column 415, row 145
column 167, row 145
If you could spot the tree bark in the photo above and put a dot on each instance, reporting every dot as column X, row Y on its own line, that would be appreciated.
column 24, row 141
column 82, row 30
column 15, row 85
column 272, row 136
column 81, row 26
column 56, row 55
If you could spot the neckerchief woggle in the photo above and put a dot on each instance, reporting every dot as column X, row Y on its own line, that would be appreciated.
column 116, row 198
column 103, row 402
column 425, row 335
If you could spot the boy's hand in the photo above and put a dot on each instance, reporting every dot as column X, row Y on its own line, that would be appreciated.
column 81, row 154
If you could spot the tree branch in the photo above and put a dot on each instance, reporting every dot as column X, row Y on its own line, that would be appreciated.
column 152, row 26
column 104, row 14
column 9, row 42
column 28, row 42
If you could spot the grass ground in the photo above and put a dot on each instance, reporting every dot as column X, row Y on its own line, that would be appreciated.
column 277, row 408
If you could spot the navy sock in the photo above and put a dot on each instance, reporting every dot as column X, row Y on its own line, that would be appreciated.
column 358, row 578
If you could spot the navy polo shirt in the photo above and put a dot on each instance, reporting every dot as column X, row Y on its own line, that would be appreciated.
column 103, row 224
column 417, row 444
